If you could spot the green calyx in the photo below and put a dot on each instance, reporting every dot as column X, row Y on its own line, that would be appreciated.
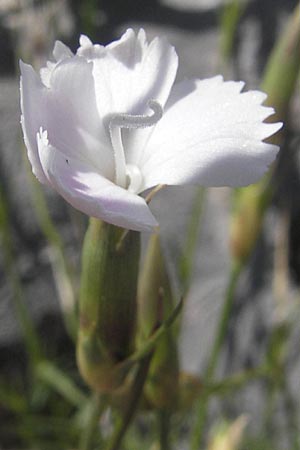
column 108, row 304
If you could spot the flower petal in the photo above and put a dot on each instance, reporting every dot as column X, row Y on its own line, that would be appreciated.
column 32, row 93
column 130, row 72
column 69, row 113
column 61, row 51
column 88, row 50
column 212, row 137
column 76, row 124
column 91, row 193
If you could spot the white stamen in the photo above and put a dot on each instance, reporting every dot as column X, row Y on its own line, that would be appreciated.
column 129, row 121
column 120, row 163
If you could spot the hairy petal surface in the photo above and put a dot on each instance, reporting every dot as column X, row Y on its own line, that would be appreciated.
column 212, row 136
column 88, row 191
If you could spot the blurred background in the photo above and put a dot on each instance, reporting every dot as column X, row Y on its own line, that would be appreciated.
column 42, row 235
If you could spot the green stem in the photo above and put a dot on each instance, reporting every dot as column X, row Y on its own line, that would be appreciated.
column 132, row 404
column 282, row 69
column 188, row 255
column 238, row 380
column 291, row 414
column 149, row 345
column 12, row 399
column 201, row 414
column 97, row 406
column 229, row 21
column 47, row 372
column 223, row 324
column 164, row 429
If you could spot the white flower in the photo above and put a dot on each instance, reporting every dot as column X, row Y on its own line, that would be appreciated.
column 104, row 125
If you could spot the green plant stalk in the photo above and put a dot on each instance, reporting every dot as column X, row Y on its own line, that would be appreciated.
column 282, row 70
column 249, row 207
column 292, row 415
column 202, row 409
column 229, row 19
column 11, row 399
column 164, row 429
column 191, row 386
column 276, row 359
column 142, row 357
column 132, row 404
column 223, row 324
column 238, row 380
column 47, row 372
column 275, row 355
column 149, row 345
column 189, row 251
column 97, row 405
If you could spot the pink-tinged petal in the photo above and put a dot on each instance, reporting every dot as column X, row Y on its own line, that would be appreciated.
column 89, row 192
column 67, row 109
column 212, row 136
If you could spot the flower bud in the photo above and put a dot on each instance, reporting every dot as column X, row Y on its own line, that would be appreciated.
column 107, row 304
column 246, row 221
column 282, row 69
column 155, row 305
column 190, row 387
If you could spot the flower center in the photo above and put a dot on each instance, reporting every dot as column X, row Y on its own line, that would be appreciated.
column 129, row 176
